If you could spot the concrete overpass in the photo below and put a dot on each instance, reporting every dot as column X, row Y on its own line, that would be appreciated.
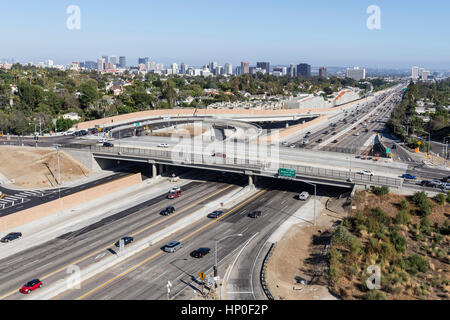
column 158, row 159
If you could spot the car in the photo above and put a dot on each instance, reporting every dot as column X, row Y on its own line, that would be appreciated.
column 326, row 132
column 173, row 246
column 409, row 176
column 11, row 237
column 285, row 143
column 446, row 179
column 306, row 141
column 303, row 196
column 335, row 141
column 126, row 241
column 356, row 134
column 31, row 286
column 215, row 214
column 83, row 132
column 320, row 141
column 174, row 194
column 69, row 132
column 163, row 145
column 175, row 189
column 201, row 252
column 366, row 173
column 292, row 146
column 167, row 211
column 334, row 133
column 108, row 145
column 218, row 155
column 436, row 183
column 255, row 214
column 102, row 140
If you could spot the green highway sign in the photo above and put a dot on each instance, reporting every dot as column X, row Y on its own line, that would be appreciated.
column 287, row 173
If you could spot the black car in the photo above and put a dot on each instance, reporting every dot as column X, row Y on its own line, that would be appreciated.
column 11, row 237
column 334, row 133
column 335, row 141
column 83, row 133
column 200, row 252
column 108, row 145
column 320, row 141
column 167, row 211
column 255, row 214
column 126, row 241
column 216, row 214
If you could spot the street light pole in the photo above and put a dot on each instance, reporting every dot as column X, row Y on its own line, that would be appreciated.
column 216, row 269
column 57, row 146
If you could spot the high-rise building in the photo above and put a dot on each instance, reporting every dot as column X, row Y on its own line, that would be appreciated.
column 123, row 62
column 174, row 68
column 228, row 68
column 424, row 75
column 323, row 72
column 415, row 73
column 264, row 65
column 184, row 68
column 212, row 66
column 113, row 60
column 356, row 73
column 90, row 65
column 106, row 58
column 143, row 60
column 291, row 71
column 101, row 64
column 304, row 70
column 245, row 67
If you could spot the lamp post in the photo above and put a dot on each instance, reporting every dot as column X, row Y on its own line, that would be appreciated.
column 351, row 157
column 216, row 269
column 315, row 200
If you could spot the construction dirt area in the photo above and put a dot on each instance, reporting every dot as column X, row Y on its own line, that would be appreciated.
column 31, row 168
column 298, row 268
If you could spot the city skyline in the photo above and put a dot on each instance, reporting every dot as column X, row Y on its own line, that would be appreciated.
column 282, row 33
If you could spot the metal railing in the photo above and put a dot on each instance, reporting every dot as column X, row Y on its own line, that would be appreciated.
column 239, row 163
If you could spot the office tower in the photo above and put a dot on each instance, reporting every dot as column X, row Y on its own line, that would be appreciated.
column 264, row 65
column 174, row 68
column 101, row 64
column 415, row 73
column 238, row 71
column 106, row 58
column 291, row 71
column 123, row 62
column 212, row 66
column 113, row 60
column 424, row 75
column 143, row 60
column 304, row 70
column 228, row 68
column 356, row 73
column 245, row 67
column 323, row 72
column 184, row 68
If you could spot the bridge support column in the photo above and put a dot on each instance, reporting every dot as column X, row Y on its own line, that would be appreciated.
column 154, row 170
column 250, row 180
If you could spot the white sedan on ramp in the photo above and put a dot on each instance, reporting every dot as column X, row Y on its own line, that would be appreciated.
column 366, row 173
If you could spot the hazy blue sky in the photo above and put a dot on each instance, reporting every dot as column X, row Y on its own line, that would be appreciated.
column 320, row 32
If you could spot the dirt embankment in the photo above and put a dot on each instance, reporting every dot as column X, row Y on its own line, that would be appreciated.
column 32, row 168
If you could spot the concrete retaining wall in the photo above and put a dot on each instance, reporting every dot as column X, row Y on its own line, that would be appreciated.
column 85, row 158
column 65, row 203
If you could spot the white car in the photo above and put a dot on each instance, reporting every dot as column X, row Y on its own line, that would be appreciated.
column 366, row 173
column 356, row 134
column 303, row 196
column 175, row 189
column 285, row 143
column 163, row 145
column 292, row 146
column 102, row 140
column 69, row 132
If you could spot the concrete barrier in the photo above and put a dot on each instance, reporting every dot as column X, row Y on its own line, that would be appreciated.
column 26, row 216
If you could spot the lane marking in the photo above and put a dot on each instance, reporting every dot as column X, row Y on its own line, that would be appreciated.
column 160, row 252
column 106, row 247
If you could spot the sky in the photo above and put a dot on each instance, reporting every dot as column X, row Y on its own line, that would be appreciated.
column 320, row 32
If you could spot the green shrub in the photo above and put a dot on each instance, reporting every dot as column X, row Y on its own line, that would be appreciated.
column 399, row 242
column 420, row 198
column 403, row 217
column 375, row 295
column 404, row 204
column 381, row 191
column 441, row 198
column 342, row 237
column 425, row 209
column 381, row 216
column 416, row 263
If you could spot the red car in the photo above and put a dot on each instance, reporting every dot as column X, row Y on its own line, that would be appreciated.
column 174, row 194
column 31, row 286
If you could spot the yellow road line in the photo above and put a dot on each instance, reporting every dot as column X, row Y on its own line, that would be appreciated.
column 134, row 234
column 160, row 252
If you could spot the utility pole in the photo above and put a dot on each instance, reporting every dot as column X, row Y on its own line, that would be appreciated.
column 57, row 146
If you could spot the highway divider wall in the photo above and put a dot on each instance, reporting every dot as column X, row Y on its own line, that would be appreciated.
column 26, row 216
column 62, row 285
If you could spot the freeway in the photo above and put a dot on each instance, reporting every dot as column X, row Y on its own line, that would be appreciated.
column 144, row 276
column 50, row 261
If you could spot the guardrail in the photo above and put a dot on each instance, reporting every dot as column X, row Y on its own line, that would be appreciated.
column 264, row 285
column 242, row 164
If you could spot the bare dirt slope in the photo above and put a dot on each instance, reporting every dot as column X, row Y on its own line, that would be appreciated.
column 32, row 168
column 297, row 270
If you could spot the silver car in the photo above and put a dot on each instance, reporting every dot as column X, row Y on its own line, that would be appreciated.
column 173, row 246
